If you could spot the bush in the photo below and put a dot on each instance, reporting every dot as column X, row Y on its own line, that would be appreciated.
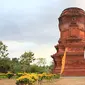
column 2, row 75
column 10, row 75
column 27, row 79
column 30, row 79
column 19, row 74
column 56, row 76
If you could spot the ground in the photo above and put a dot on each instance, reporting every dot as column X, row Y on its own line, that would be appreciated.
column 61, row 81
column 7, row 82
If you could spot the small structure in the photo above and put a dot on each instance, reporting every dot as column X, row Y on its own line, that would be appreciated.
column 72, row 37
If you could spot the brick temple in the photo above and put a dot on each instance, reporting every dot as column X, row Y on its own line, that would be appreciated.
column 72, row 37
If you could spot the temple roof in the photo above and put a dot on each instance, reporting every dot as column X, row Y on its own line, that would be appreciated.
column 73, row 11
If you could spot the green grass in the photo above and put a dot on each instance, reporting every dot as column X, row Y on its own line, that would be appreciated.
column 3, row 77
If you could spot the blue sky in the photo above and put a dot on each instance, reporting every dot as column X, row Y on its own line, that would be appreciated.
column 32, row 25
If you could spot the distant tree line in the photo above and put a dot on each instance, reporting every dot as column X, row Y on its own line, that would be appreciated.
column 23, row 63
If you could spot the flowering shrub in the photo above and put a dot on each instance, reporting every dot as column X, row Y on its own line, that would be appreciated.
column 41, row 76
column 48, row 76
column 27, row 79
column 30, row 79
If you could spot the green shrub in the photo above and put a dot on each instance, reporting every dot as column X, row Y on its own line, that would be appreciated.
column 56, row 76
column 10, row 75
column 19, row 74
column 3, row 75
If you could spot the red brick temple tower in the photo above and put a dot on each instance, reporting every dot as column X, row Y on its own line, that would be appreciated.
column 72, row 37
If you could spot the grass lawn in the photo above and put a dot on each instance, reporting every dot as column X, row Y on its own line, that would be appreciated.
column 3, row 77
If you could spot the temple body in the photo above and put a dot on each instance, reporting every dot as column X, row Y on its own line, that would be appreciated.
column 72, row 37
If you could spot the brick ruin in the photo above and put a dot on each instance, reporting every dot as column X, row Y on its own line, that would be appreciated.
column 72, row 37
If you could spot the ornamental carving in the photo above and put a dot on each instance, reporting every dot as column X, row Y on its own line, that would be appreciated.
column 72, row 17
column 75, row 63
column 73, row 11
column 75, row 49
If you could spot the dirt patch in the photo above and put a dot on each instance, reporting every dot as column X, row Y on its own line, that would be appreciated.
column 61, row 81
column 71, row 81
column 7, row 82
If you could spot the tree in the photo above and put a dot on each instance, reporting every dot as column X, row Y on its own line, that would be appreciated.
column 3, row 50
column 15, row 65
column 15, row 60
column 51, row 67
column 4, row 60
column 41, row 61
column 37, row 69
column 26, row 59
column 4, row 64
